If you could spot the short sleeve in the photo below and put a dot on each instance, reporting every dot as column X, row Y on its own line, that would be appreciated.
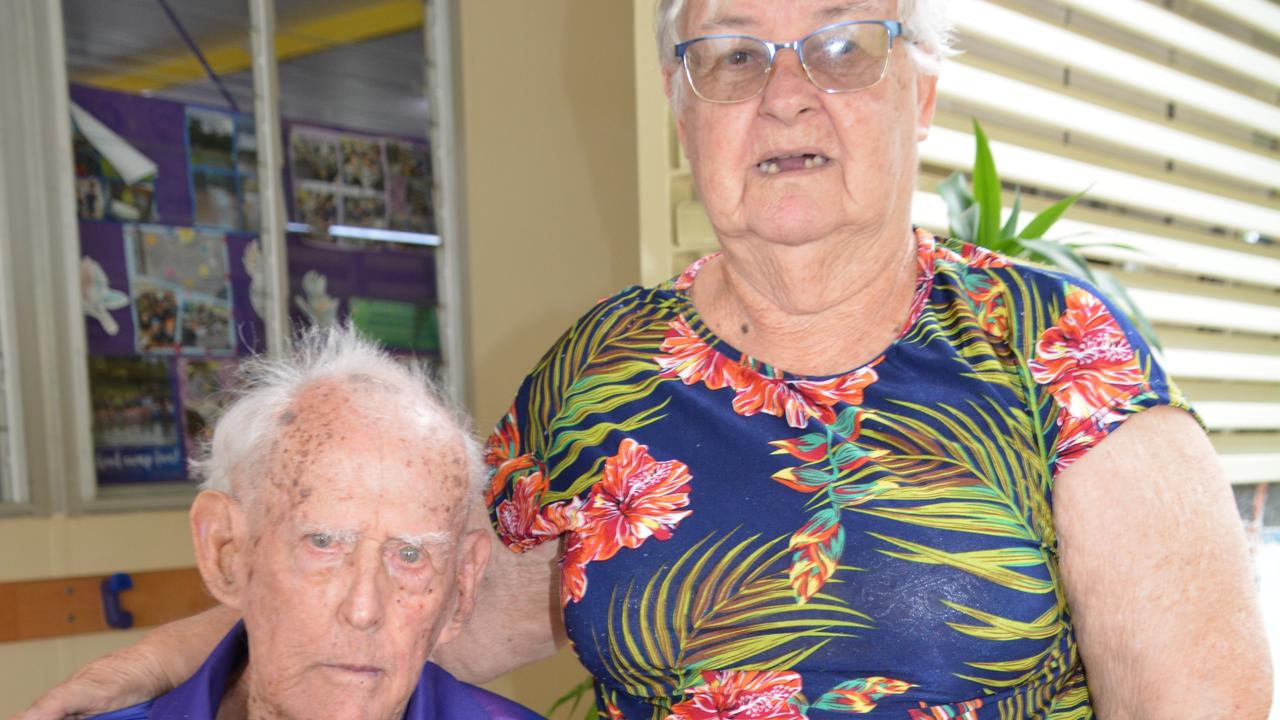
column 518, row 480
column 1096, row 370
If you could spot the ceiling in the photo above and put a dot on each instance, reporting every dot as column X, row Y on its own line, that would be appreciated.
column 374, row 84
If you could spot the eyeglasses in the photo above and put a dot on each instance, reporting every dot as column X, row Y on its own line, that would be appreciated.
column 843, row 57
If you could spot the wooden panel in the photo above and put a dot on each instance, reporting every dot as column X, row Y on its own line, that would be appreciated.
column 36, row 609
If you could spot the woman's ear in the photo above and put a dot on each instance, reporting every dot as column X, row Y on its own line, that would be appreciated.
column 219, row 534
column 473, row 557
column 927, row 102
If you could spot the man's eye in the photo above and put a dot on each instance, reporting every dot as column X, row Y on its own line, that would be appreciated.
column 321, row 541
column 410, row 555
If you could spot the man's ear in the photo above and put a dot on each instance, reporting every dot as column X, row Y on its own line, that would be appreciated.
column 473, row 556
column 220, row 536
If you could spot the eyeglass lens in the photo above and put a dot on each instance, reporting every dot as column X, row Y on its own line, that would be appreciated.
column 838, row 59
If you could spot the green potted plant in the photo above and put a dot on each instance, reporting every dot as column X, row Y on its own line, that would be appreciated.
column 974, row 216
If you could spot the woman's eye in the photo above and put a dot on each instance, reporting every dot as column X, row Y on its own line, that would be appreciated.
column 410, row 555
column 321, row 541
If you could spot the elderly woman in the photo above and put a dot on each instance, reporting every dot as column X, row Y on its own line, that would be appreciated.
column 844, row 467
column 335, row 521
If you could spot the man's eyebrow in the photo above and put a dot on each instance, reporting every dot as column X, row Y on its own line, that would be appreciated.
column 342, row 535
column 439, row 537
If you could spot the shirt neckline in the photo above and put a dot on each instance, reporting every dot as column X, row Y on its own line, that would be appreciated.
column 926, row 244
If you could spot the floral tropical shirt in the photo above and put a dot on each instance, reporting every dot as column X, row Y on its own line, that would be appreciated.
column 742, row 542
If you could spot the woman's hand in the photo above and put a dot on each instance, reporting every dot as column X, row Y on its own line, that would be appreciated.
column 159, row 661
column 1158, row 578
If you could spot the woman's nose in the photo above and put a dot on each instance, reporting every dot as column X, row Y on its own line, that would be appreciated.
column 789, row 92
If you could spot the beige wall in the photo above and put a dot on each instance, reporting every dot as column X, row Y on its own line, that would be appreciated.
column 549, row 118
column 549, row 123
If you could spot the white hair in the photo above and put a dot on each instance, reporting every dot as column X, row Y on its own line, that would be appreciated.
column 926, row 24
column 268, row 387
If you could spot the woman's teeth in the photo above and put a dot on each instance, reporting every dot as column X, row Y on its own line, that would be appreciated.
column 774, row 166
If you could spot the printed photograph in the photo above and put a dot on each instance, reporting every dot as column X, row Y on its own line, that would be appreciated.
column 91, row 200
column 315, row 207
column 313, row 156
column 210, row 137
column 132, row 402
column 370, row 212
column 195, row 260
column 205, row 389
column 156, row 317
column 362, row 163
column 214, row 194
column 206, row 327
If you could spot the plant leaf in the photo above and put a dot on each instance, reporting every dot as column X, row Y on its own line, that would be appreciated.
column 966, row 225
column 1041, row 223
column 955, row 193
column 1009, row 232
column 1060, row 256
column 986, row 191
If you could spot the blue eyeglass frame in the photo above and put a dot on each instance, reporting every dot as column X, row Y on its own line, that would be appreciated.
column 894, row 28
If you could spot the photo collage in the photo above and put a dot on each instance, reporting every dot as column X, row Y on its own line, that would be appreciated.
column 222, row 149
column 171, row 268
column 179, row 282
column 357, row 180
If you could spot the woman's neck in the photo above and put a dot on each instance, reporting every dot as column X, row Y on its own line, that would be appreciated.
column 817, row 309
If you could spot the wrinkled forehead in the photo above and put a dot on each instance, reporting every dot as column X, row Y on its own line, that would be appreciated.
column 704, row 17
column 342, row 440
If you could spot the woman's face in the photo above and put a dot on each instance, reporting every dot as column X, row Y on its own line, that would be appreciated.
column 867, row 137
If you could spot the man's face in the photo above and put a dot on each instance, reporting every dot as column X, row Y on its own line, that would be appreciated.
column 351, row 567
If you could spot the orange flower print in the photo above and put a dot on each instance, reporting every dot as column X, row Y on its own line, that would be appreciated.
column 1085, row 360
column 799, row 400
column 685, row 281
column 693, row 360
column 1075, row 437
column 637, row 498
column 689, row 357
column 573, row 570
column 523, row 523
column 979, row 257
column 504, row 440
column 742, row 695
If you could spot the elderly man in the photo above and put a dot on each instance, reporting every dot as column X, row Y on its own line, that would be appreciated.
column 333, row 519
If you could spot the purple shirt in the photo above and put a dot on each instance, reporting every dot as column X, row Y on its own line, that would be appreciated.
column 439, row 695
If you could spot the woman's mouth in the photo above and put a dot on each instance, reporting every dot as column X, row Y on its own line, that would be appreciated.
column 795, row 161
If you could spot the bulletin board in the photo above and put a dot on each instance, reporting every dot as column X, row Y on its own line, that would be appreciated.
column 172, row 281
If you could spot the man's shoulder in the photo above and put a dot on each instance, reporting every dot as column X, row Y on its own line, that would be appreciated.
column 141, row 711
column 457, row 699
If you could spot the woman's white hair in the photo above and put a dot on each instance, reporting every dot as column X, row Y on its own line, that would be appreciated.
column 268, row 387
column 927, row 24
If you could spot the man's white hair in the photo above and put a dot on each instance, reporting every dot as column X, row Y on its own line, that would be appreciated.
column 268, row 388
column 927, row 24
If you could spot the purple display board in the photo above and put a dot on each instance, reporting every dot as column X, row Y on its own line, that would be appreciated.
column 172, row 303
